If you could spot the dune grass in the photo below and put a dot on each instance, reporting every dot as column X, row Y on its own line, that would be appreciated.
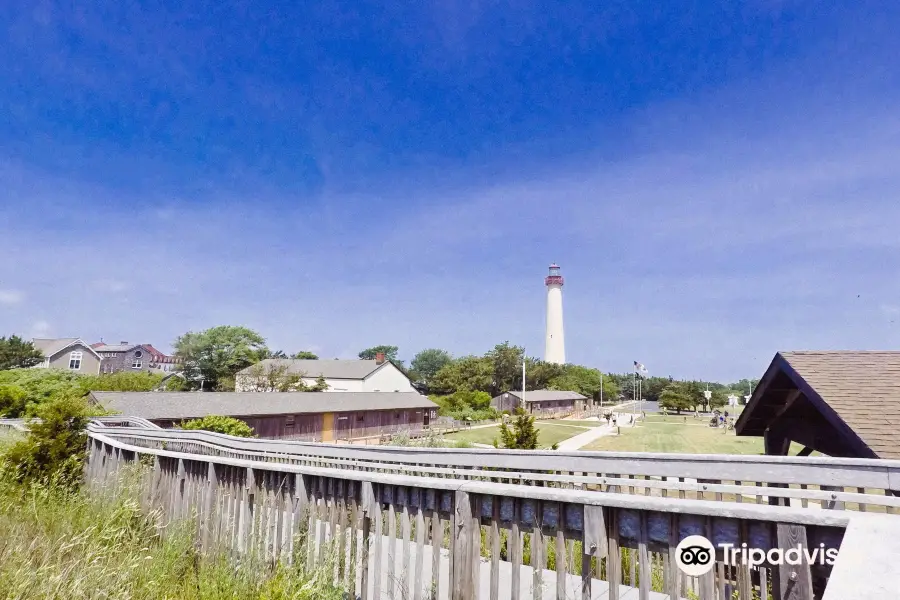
column 66, row 545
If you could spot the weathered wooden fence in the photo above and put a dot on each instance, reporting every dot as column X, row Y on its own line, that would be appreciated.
column 393, row 535
column 830, row 483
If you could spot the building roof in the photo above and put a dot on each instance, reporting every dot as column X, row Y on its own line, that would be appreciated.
column 860, row 388
column 52, row 346
column 104, row 347
column 329, row 369
column 547, row 395
column 159, row 356
column 189, row 405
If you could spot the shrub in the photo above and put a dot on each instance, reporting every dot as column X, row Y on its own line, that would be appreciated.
column 13, row 400
column 522, row 435
column 55, row 446
column 220, row 424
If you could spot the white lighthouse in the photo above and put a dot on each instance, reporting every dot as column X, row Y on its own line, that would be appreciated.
column 555, row 343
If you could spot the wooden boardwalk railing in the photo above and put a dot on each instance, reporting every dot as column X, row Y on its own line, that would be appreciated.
column 831, row 483
column 394, row 535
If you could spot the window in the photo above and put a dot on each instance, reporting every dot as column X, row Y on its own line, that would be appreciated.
column 289, row 421
column 75, row 360
column 138, row 354
column 360, row 418
column 136, row 363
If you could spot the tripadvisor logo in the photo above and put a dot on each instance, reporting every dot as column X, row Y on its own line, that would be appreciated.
column 696, row 555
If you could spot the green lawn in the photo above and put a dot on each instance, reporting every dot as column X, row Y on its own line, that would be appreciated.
column 549, row 434
column 673, row 434
column 573, row 422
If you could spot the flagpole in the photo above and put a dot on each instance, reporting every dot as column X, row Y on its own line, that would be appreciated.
column 633, row 389
column 523, row 375
column 601, row 391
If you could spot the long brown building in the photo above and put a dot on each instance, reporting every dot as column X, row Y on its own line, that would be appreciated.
column 305, row 416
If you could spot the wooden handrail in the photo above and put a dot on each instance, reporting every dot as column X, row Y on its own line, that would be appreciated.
column 402, row 529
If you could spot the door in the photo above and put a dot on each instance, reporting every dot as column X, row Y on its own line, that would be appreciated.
column 328, row 427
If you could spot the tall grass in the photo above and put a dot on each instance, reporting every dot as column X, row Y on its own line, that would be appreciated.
column 58, row 544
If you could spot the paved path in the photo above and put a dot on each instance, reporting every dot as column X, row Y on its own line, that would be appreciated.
column 583, row 439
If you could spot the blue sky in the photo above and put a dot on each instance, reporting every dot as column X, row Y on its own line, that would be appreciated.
column 717, row 182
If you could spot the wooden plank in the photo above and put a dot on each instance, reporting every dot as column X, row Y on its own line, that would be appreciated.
column 321, row 516
column 437, row 542
column 538, row 560
column 377, row 543
column 720, row 579
column 495, row 548
column 246, row 514
column 794, row 581
column 745, row 577
column 300, row 498
column 342, row 565
column 462, row 584
column 514, row 545
column 392, row 545
column 672, row 573
column 763, row 583
column 406, row 532
column 352, row 546
column 368, row 511
column 708, row 580
column 560, row 553
column 417, row 579
column 644, row 559
column 209, row 498
column 614, row 558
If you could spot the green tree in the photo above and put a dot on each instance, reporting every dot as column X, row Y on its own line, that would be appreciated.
column 55, row 446
column 522, row 435
column 540, row 374
column 215, row 355
column 466, row 404
column 277, row 377
column 304, row 355
column 220, row 424
column 719, row 398
column 122, row 381
column 390, row 353
column 575, row 378
column 506, row 361
column 427, row 363
column 16, row 353
column 42, row 385
column 677, row 396
column 472, row 373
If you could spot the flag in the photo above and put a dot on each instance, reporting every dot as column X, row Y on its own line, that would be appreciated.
column 640, row 369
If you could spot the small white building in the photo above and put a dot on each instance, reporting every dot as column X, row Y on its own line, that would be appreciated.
column 358, row 375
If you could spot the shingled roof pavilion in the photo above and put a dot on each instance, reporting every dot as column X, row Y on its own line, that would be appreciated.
column 839, row 403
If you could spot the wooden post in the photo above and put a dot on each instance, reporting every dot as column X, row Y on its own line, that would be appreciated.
column 461, row 580
column 495, row 548
column 247, row 511
column 538, row 558
column 179, row 491
column 301, row 505
column 643, row 556
column 794, row 581
column 614, row 560
column 212, row 487
column 371, row 509
column 594, row 545
column 514, row 545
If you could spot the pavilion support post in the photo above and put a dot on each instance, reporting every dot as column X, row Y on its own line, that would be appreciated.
column 776, row 444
